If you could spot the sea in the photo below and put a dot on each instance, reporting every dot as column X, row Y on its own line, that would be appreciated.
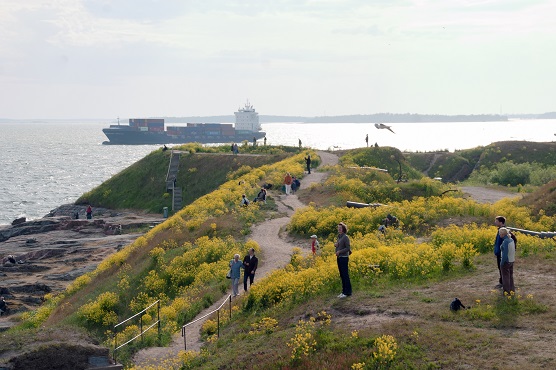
column 44, row 163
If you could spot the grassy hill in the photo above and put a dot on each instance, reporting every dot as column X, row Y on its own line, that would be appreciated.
column 403, row 281
column 142, row 186
column 458, row 166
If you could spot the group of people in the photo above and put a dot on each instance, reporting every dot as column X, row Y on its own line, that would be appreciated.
column 235, row 149
column 249, row 266
column 504, row 250
column 389, row 220
column 261, row 197
column 291, row 184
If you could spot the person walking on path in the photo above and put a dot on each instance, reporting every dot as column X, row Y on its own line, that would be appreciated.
column 235, row 266
column 308, row 161
column 507, row 260
column 343, row 250
column 89, row 212
column 367, row 140
column 250, row 263
column 288, row 183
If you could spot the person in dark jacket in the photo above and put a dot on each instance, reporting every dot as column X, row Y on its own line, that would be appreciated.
column 343, row 250
column 3, row 306
column 308, row 161
column 250, row 263
column 499, row 221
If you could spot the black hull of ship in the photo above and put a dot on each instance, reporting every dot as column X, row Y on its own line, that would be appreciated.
column 128, row 137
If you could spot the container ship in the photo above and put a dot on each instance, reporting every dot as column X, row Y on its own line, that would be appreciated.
column 142, row 131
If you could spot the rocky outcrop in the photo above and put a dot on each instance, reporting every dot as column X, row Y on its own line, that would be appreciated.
column 42, row 256
column 62, row 356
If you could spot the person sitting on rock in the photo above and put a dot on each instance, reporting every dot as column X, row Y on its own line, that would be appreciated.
column 261, row 197
column 390, row 221
column 244, row 201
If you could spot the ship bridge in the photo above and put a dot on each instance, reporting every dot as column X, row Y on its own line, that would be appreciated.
column 247, row 119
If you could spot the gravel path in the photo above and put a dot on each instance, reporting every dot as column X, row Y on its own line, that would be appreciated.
column 275, row 253
column 486, row 195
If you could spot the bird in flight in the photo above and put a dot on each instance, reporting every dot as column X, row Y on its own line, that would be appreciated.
column 382, row 125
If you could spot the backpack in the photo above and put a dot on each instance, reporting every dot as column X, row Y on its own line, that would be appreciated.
column 456, row 305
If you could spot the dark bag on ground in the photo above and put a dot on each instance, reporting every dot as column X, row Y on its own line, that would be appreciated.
column 456, row 305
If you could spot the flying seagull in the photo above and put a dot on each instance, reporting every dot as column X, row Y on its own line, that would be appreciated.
column 382, row 125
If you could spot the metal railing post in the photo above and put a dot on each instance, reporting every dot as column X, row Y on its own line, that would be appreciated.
column 158, row 319
column 115, row 345
column 184, row 340
column 140, row 314
column 230, row 307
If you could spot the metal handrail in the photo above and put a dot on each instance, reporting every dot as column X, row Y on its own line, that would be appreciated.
column 129, row 318
column 157, row 322
column 229, row 298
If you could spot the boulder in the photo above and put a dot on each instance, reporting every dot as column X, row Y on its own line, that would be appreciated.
column 19, row 221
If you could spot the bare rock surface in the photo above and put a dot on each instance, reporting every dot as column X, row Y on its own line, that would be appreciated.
column 53, row 251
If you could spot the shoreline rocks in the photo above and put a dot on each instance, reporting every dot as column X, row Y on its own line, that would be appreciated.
column 51, row 252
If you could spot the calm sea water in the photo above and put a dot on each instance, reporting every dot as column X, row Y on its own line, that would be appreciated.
column 46, row 164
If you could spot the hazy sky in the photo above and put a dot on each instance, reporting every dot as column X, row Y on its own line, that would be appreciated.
column 138, row 58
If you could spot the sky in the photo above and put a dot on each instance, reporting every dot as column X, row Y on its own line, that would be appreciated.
column 149, row 58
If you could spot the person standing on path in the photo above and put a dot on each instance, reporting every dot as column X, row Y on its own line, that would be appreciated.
column 235, row 266
column 288, row 183
column 507, row 260
column 343, row 250
column 250, row 263
column 89, row 212
column 308, row 161
column 499, row 222
column 367, row 140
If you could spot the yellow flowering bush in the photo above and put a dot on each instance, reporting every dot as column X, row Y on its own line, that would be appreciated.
column 266, row 325
column 385, row 349
column 100, row 311
column 303, row 342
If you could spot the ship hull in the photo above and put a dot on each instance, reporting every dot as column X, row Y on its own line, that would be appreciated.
column 124, row 136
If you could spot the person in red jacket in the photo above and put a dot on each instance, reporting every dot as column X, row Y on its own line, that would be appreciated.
column 288, row 183
column 89, row 212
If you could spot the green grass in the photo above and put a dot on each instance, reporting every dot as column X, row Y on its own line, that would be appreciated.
column 142, row 186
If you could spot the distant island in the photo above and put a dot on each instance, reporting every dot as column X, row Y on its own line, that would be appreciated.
column 352, row 118
column 370, row 118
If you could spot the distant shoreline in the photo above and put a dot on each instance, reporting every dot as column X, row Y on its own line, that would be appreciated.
column 350, row 118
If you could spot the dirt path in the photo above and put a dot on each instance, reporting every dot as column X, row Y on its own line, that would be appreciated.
column 275, row 253
column 487, row 195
